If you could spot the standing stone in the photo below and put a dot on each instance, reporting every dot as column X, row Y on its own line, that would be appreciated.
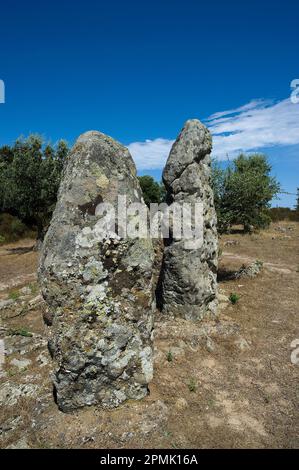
column 98, row 291
column 189, row 284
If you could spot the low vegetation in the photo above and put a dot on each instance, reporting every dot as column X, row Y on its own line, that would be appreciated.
column 192, row 385
column 14, row 295
column 20, row 332
column 279, row 214
column 12, row 229
column 234, row 298
column 169, row 356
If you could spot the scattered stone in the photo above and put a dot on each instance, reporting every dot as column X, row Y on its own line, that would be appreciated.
column 127, row 436
column 21, row 364
column 10, row 425
column 232, row 243
column 36, row 300
column 20, row 444
column 42, row 360
column 24, row 344
column 17, row 344
column 25, row 290
column 181, row 404
column 97, row 285
column 16, row 281
column 284, row 229
column 189, row 283
column 210, row 344
column 30, row 378
column 249, row 271
column 87, row 439
column 242, row 344
column 5, row 303
column 11, row 392
column 156, row 414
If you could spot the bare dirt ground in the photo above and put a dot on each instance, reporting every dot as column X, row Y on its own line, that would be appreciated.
column 223, row 384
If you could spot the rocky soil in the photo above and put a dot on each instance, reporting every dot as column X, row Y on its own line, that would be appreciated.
column 225, row 383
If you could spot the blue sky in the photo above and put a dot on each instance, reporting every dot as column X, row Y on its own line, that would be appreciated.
column 138, row 70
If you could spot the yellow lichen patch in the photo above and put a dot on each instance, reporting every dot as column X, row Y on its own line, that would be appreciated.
column 102, row 181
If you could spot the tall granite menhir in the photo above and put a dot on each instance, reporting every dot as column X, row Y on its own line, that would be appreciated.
column 99, row 291
column 188, row 281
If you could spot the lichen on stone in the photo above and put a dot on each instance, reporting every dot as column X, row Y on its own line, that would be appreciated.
column 101, row 333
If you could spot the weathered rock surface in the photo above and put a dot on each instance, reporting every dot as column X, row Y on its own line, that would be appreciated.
column 188, row 284
column 99, row 291
column 249, row 271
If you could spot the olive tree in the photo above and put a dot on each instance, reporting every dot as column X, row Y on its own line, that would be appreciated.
column 243, row 192
column 30, row 174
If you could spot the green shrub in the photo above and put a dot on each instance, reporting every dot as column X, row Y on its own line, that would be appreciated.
column 21, row 332
column 169, row 356
column 12, row 229
column 234, row 298
column 14, row 295
column 18, row 228
column 192, row 385
column 153, row 192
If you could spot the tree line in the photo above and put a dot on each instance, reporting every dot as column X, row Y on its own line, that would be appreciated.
column 30, row 173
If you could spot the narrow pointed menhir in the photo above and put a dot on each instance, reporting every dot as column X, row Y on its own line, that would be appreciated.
column 189, row 282
column 98, row 290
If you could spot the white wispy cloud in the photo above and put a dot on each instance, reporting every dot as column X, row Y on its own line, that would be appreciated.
column 251, row 127
column 150, row 154
column 264, row 125
column 254, row 104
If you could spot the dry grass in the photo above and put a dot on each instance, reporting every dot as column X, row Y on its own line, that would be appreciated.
column 229, row 383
